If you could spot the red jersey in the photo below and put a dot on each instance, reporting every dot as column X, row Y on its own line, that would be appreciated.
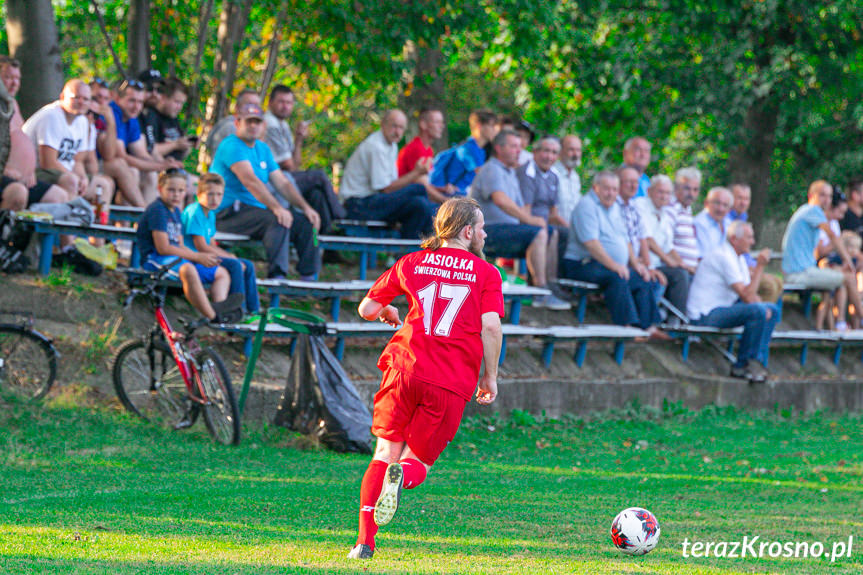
column 412, row 153
column 439, row 341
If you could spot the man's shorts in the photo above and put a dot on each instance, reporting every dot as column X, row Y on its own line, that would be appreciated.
column 817, row 278
column 34, row 194
column 50, row 176
column 509, row 240
column 206, row 274
column 155, row 262
column 424, row 416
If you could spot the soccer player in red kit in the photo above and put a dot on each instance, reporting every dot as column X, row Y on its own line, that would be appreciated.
column 432, row 364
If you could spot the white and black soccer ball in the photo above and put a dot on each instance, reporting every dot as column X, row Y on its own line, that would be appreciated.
column 635, row 531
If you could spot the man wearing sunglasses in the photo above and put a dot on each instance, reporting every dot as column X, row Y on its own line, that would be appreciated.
column 132, row 165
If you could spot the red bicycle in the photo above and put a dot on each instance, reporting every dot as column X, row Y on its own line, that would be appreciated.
column 167, row 377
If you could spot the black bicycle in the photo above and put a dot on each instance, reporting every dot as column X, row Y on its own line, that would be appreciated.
column 28, row 359
column 166, row 377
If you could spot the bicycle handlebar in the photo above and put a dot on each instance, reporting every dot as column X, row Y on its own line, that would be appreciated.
column 161, row 271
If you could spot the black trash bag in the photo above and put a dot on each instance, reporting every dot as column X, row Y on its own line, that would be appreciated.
column 320, row 400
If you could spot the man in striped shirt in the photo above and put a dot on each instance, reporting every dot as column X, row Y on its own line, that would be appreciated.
column 687, row 183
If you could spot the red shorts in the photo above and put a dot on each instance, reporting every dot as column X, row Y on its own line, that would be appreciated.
column 424, row 416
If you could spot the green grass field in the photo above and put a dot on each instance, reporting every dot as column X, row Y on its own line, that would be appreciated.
column 91, row 490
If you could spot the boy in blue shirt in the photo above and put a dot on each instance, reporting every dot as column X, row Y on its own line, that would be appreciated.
column 199, row 227
column 160, row 239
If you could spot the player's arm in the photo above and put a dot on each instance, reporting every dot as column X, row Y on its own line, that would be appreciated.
column 371, row 310
column 492, row 338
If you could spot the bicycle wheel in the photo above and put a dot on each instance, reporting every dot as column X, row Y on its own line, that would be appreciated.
column 28, row 363
column 148, row 382
column 221, row 413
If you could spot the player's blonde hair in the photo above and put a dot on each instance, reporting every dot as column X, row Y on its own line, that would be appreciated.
column 452, row 217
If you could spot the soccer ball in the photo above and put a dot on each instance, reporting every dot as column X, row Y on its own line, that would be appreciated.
column 635, row 531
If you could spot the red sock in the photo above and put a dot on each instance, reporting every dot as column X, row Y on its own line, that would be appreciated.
column 414, row 472
column 373, row 482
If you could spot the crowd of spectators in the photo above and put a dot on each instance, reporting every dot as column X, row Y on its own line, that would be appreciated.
column 633, row 232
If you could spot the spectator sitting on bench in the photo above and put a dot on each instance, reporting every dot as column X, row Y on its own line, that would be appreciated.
column 247, row 165
column 828, row 258
column 599, row 252
column 636, row 230
column 160, row 238
column 801, row 239
column 770, row 286
column 723, row 295
column 225, row 127
column 512, row 230
column 133, row 168
column 287, row 148
column 430, row 124
column 199, row 227
column 636, row 154
column 657, row 225
column 372, row 190
column 18, row 184
column 540, row 192
column 570, row 182
column 853, row 219
column 710, row 222
column 458, row 165
column 687, row 184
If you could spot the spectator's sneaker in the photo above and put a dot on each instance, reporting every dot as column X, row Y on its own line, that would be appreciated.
column 230, row 310
column 551, row 301
column 740, row 372
column 841, row 326
column 388, row 502
column 757, row 372
column 80, row 263
column 361, row 551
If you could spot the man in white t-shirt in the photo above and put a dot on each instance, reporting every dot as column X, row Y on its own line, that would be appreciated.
column 570, row 182
column 723, row 294
column 371, row 188
column 660, row 239
column 63, row 138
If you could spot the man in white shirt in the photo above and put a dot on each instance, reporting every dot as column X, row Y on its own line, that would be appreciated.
column 724, row 295
column 660, row 240
column 710, row 222
column 687, row 184
column 372, row 190
column 570, row 182
column 62, row 137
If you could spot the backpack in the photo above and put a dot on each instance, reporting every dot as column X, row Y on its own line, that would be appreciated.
column 14, row 238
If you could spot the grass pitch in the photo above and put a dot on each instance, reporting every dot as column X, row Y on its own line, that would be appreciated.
column 92, row 490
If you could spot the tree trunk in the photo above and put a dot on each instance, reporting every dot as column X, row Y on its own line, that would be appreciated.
column 232, row 27
column 203, row 23
column 138, row 37
column 424, row 87
column 33, row 40
column 273, row 56
column 749, row 162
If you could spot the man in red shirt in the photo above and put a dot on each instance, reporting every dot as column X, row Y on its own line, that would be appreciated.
column 431, row 365
column 419, row 150
column 430, row 124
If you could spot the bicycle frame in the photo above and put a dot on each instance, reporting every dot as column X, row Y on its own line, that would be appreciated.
column 188, row 371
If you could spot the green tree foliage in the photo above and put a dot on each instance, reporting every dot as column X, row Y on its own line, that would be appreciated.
column 762, row 90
